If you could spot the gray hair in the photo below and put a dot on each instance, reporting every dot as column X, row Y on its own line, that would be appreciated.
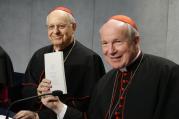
column 67, row 15
column 132, row 32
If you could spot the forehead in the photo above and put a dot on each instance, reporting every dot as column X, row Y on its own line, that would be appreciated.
column 113, row 28
column 57, row 16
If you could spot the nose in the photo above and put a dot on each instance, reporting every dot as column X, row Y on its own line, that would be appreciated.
column 56, row 30
column 112, row 49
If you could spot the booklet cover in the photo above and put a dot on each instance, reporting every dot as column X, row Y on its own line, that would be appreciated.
column 54, row 71
column 3, row 117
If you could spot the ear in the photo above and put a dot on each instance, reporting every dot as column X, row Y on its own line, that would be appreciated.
column 137, row 40
column 74, row 26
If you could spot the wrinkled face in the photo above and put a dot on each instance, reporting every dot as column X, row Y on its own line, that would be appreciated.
column 118, row 49
column 60, row 29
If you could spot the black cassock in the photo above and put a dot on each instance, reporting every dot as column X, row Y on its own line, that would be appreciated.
column 6, row 77
column 83, row 68
column 152, row 94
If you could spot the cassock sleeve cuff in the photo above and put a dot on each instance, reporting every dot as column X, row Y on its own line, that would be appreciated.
column 61, row 114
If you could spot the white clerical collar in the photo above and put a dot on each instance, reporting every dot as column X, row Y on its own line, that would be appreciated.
column 124, row 68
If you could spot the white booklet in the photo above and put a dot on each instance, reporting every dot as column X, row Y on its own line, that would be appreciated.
column 54, row 71
column 3, row 117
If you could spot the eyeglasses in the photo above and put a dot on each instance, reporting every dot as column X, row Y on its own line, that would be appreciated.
column 60, row 26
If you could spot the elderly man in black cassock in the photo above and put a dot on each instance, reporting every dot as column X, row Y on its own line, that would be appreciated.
column 140, row 86
column 83, row 67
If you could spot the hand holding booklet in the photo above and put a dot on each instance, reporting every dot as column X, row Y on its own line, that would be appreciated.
column 54, row 71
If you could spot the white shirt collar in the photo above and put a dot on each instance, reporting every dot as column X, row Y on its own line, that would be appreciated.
column 124, row 68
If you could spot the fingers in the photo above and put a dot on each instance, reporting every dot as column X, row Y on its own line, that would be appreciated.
column 25, row 114
column 49, row 99
column 52, row 102
column 44, row 86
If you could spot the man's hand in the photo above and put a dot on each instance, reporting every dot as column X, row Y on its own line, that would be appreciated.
column 53, row 103
column 25, row 114
column 44, row 87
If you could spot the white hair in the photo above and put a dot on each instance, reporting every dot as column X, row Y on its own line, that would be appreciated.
column 132, row 32
column 66, row 14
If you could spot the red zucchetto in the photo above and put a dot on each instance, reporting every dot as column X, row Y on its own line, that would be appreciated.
column 125, row 19
column 62, row 9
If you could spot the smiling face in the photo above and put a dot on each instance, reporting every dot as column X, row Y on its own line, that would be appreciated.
column 119, row 49
column 60, row 29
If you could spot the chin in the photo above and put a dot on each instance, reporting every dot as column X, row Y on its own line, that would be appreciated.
column 57, row 43
column 115, row 66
